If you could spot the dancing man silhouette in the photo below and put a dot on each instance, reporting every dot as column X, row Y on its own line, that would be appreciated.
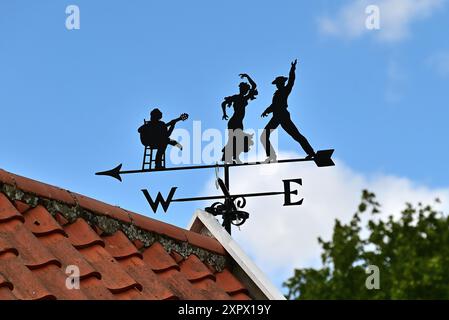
column 281, row 116
column 238, row 141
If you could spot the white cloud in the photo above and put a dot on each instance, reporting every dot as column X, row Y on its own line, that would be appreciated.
column 280, row 239
column 396, row 18
column 439, row 62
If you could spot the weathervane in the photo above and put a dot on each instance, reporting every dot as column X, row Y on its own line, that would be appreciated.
column 155, row 136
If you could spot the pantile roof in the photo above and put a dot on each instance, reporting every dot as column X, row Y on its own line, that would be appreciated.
column 46, row 230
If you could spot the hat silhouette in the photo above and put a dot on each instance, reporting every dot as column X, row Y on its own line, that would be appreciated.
column 280, row 80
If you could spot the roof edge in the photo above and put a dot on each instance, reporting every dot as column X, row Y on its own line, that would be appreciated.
column 248, row 270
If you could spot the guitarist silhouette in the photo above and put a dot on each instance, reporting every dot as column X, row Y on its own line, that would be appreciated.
column 281, row 116
column 156, row 134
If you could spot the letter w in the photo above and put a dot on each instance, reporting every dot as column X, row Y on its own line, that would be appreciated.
column 159, row 199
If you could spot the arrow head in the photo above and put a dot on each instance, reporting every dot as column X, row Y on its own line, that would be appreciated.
column 323, row 158
column 114, row 173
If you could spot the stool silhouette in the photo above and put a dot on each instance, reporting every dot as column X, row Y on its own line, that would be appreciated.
column 149, row 159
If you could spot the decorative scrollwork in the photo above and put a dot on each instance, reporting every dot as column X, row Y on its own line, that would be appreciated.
column 240, row 202
column 239, row 218
column 217, row 209
column 228, row 210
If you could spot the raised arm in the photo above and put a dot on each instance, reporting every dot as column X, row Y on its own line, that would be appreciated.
column 251, row 81
column 291, row 76
column 252, row 93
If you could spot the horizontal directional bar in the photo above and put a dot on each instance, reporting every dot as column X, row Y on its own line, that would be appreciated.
column 245, row 195
column 322, row 159
column 212, row 166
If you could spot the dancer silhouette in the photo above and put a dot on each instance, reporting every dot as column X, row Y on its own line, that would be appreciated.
column 238, row 141
column 156, row 134
column 281, row 116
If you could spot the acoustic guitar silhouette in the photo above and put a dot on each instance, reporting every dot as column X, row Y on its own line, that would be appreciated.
column 156, row 134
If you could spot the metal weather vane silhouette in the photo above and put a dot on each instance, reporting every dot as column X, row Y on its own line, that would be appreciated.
column 155, row 135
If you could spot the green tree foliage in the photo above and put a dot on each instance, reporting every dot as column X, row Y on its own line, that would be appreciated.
column 411, row 252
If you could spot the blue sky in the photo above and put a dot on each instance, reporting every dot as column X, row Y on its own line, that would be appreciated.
column 71, row 101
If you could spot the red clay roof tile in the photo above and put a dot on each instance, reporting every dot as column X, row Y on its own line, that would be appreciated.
column 182, row 287
column 6, row 247
column 7, row 178
column 176, row 256
column 119, row 246
column 113, row 276
column 194, row 269
column 5, row 283
column 138, row 244
column 151, row 283
column 81, row 234
column 158, row 227
column 26, row 285
column 134, row 294
column 43, row 190
column 6, row 294
column 9, row 254
column 33, row 254
column 206, row 242
column 40, row 222
column 240, row 296
column 7, row 210
column 94, row 289
column 63, row 250
column 228, row 282
column 55, row 281
column 209, row 287
column 131, row 294
column 21, row 206
column 158, row 259
column 61, row 219
column 101, row 208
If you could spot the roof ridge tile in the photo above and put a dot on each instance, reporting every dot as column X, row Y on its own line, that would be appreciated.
column 101, row 208
column 42, row 189
column 7, row 178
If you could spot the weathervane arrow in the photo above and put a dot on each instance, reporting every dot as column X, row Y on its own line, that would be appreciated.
column 323, row 158
column 115, row 173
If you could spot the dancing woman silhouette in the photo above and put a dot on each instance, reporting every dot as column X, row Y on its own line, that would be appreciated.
column 238, row 141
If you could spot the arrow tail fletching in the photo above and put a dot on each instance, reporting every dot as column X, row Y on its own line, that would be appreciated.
column 114, row 173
